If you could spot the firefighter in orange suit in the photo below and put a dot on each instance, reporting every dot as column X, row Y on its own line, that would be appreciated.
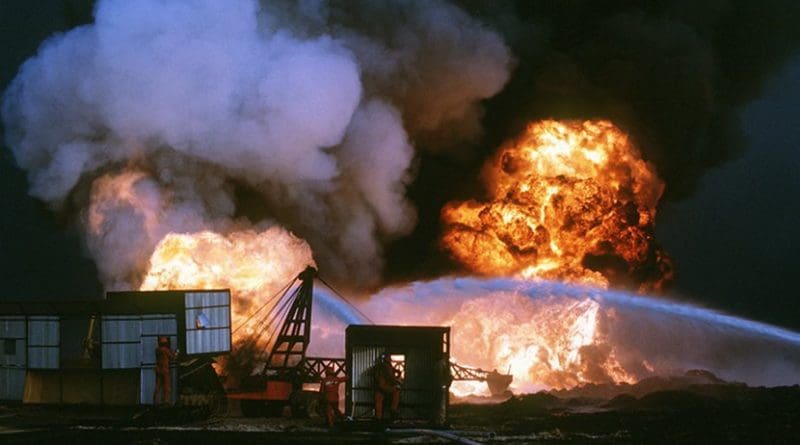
column 329, row 393
column 387, row 384
column 164, row 356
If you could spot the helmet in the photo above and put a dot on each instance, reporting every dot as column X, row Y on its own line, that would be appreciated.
column 385, row 357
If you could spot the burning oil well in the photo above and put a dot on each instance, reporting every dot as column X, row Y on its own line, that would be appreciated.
column 231, row 144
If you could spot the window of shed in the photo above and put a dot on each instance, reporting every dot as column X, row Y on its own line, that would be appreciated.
column 399, row 365
column 10, row 346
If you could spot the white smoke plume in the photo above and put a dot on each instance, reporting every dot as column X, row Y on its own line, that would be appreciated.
column 151, row 118
column 556, row 335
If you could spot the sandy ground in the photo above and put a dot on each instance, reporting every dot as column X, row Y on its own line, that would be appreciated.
column 695, row 413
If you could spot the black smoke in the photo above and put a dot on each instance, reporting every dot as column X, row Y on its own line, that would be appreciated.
column 674, row 75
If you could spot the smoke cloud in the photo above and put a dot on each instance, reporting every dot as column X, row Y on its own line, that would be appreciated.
column 158, row 118
column 353, row 123
column 671, row 74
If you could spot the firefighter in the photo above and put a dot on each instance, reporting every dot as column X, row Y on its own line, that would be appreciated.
column 387, row 384
column 329, row 394
column 163, row 387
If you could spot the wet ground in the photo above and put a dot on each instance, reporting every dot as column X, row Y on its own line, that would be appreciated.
column 720, row 413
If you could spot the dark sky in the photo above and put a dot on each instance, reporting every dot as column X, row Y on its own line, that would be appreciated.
column 736, row 240
column 40, row 254
column 732, row 231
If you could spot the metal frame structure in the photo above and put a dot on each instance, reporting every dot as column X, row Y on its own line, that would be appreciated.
column 123, row 330
column 423, row 347
column 291, row 344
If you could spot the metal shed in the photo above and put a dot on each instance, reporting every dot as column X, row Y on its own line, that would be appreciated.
column 41, row 343
column 416, row 352
column 14, row 357
column 202, row 317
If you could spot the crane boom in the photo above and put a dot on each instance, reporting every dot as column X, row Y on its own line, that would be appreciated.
column 290, row 346
column 498, row 383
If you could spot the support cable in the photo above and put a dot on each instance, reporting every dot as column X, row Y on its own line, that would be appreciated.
column 345, row 300
column 280, row 292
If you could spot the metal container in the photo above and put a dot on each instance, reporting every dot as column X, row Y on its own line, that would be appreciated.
column 154, row 326
column 121, row 341
column 198, row 322
column 12, row 357
column 43, row 342
column 208, row 322
column 203, row 316
column 415, row 351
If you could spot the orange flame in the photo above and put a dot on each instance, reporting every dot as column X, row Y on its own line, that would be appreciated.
column 567, row 200
column 549, row 343
column 253, row 265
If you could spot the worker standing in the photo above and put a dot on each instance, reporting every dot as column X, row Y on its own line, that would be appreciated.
column 329, row 393
column 164, row 355
column 387, row 384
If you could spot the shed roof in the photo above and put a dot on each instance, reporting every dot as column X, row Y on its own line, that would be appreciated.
column 395, row 335
column 115, row 303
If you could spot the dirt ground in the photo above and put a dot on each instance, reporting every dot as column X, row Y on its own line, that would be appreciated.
column 703, row 413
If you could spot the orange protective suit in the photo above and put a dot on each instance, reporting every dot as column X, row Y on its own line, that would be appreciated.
column 163, row 378
column 329, row 390
column 387, row 384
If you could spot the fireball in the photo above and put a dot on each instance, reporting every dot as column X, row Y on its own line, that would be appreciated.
column 253, row 265
column 567, row 200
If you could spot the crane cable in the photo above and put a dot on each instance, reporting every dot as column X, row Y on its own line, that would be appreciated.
column 345, row 300
column 279, row 315
column 281, row 291
column 270, row 316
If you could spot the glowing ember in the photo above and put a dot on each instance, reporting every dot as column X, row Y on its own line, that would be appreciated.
column 567, row 200
column 254, row 265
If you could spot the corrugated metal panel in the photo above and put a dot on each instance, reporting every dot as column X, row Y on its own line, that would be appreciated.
column 17, row 359
column 121, row 341
column 12, row 331
column 216, row 317
column 419, row 387
column 154, row 326
column 418, row 392
column 204, row 341
column 206, row 299
column 208, row 329
column 43, row 331
column 363, row 394
column 421, row 349
column 12, row 383
column 13, row 357
column 12, row 327
column 43, row 342
column 148, row 385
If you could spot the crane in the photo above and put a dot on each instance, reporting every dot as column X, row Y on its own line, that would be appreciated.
column 287, row 367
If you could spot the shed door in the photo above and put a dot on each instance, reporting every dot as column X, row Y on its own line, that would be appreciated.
column 43, row 342
column 121, row 341
column 12, row 357
column 154, row 326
